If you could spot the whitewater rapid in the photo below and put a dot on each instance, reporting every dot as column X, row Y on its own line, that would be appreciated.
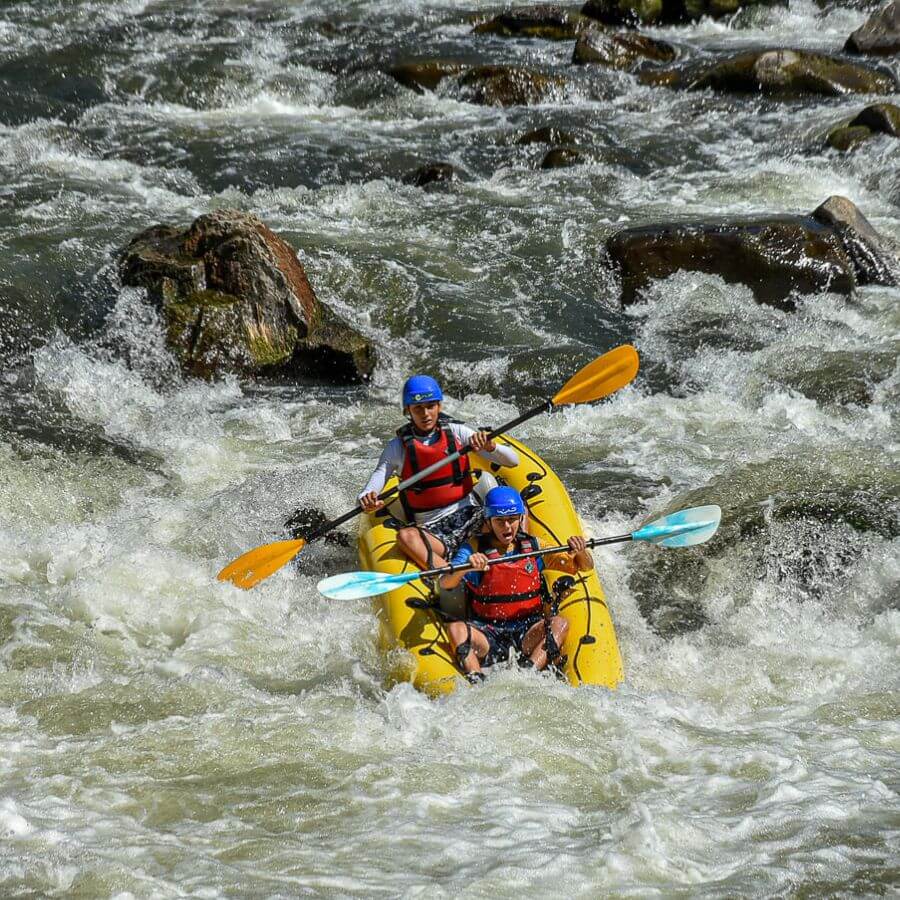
column 166, row 735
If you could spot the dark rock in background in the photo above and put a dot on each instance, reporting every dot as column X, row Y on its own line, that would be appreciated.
column 431, row 173
column 620, row 51
column 880, row 118
column 507, row 85
column 670, row 12
column 793, row 73
column 548, row 22
column 880, row 35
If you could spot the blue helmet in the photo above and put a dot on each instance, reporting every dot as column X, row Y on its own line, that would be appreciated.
column 503, row 501
column 421, row 389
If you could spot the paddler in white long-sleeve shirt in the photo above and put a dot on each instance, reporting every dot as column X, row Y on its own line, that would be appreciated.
column 442, row 510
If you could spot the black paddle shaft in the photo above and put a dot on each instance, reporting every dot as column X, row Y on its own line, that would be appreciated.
column 594, row 542
column 322, row 530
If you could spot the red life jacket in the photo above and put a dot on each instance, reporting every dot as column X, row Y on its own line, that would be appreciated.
column 510, row 590
column 447, row 485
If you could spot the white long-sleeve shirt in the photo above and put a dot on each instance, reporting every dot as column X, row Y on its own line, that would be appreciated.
column 393, row 456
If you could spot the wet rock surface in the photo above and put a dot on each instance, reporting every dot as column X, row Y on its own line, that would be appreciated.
column 791, row 73
column 624, row 50
column 548, row 22
column 777, row 257
column 431, row 173
column 880, row 34
column 236, row 299
column 880, row 118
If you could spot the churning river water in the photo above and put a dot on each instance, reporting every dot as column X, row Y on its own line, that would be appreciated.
column 165, row 735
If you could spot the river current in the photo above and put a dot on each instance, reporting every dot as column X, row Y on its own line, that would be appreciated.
column 165, row 735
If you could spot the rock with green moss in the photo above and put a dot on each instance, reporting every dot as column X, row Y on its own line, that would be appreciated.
column 552, row 23
column 492, row 85
column 625, row 50
column 235, row 299
column 793, row 73
column 879, row 118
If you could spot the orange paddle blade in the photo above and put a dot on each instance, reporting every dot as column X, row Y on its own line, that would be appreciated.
column 600, row 378
column 255, row 565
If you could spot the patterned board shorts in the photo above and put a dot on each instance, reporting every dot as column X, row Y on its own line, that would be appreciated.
column 455, row 529
column 504, row 636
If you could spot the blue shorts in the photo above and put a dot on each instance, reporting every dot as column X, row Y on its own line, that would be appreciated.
column 502, row 636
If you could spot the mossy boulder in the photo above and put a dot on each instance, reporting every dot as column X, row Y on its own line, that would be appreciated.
column 508, row 85
column 425, row 75
column 235, row 299
column 625, row 50
column 879, row 118
column 551, row 23
column 793, row 73
column 880, row 34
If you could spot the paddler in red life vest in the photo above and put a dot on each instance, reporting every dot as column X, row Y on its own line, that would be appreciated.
column 442, row 509
column 507, row 599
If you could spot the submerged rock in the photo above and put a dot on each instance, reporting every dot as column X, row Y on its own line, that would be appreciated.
column 563, row 157
column 796, row 521
column 880, row 118
column 874, row 260
column 647, row 12
column 425, row 75
column 548, row 22
column 775, row 256
column 235, row 298
column 792, row 73
column 620, row 51
column 487, row 85
column 880, row 34
column 508, row 85
column 431, row 173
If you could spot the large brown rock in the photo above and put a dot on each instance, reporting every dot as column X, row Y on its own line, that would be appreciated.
column 236, row 299
column 793, row 73
column 487, row 85
column 623, row 51
column 551, row 23
column 776, row 256
column 880, row 35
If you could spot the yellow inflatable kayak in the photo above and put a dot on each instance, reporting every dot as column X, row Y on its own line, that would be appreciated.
column 413, row 632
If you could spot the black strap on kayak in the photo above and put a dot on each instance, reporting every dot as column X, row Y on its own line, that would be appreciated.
column 465, row 648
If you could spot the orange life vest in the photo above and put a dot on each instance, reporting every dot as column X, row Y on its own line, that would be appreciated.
column 448, row 485
column 510, row 590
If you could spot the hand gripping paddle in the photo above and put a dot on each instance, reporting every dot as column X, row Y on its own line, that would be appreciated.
column 680, row 529
column 596, row 380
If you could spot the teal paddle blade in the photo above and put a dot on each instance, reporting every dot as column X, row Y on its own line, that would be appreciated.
column 683, row 528
column 354, row 585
